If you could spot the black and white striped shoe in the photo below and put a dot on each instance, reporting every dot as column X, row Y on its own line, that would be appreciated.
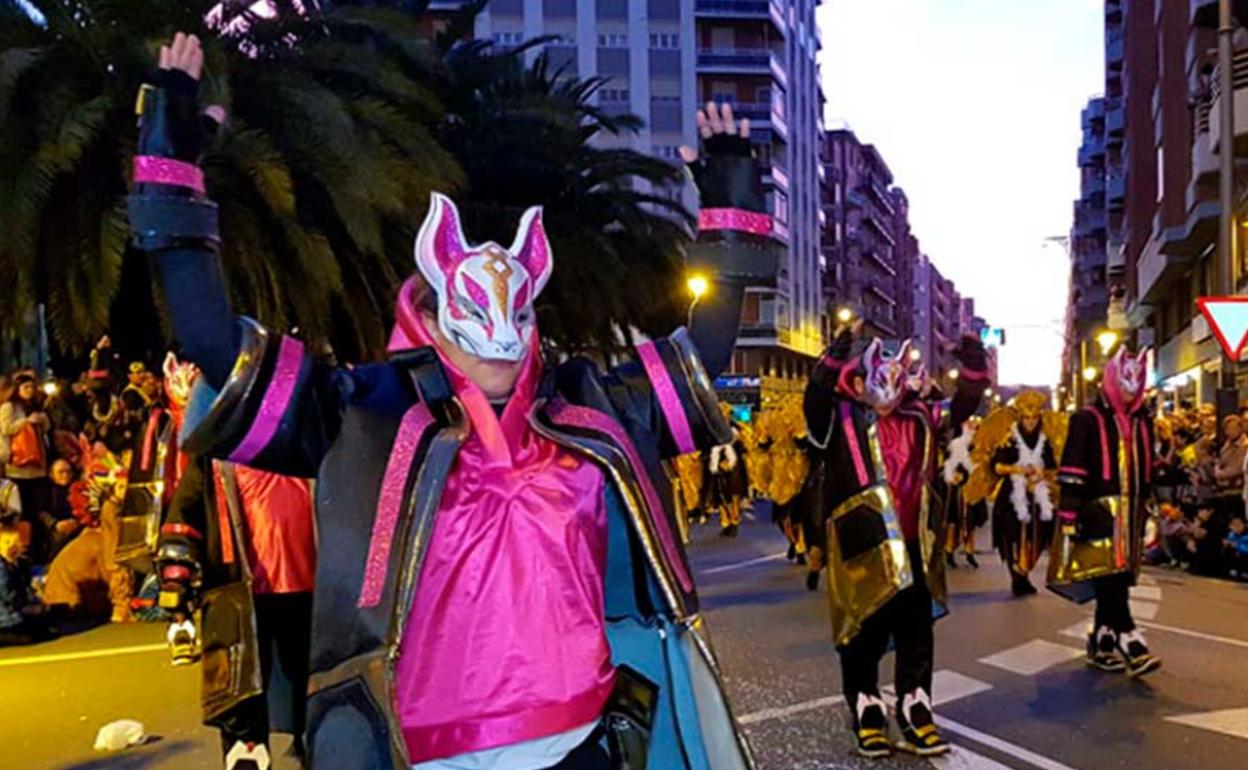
column 871, row 727
column 1137, row 659
column 919, row 735
column 1103, row 650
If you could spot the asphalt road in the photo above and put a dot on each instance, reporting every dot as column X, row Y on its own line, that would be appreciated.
column 1011, row 689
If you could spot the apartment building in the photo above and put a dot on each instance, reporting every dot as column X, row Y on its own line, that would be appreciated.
column 664, row 58
column 1088, row 301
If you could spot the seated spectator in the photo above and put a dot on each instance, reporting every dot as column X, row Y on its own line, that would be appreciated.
column 58, row 522
column 1236, row 544
column 1205, row 542
column 21, row 615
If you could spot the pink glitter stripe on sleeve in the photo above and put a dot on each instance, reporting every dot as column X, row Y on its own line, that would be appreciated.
column 669, row 400
column 412, row 427
column 1072, row 469
column 855, row 449
column 276, row 399
column 148, row 168
column 754, row 222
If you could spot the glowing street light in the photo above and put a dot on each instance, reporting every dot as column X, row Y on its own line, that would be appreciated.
column 954, row 374
column 845, row 315
column 1107, row 339
column 916, row 354
column 1089, row 373
column 698, row 286
column 50, row 389
column 988, row 392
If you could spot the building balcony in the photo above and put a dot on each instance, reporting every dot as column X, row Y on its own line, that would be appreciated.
column 1170, row 256
column 1114, row 47
column 1093, row 186
column 1115, row 118
column 1091, row 153
column 877, row 258
column 1088, row 221
column 1204, row 160
column 729, row 60
column 762, row 115
column 1115, row 189
column 775, row 176
column 772, row 10
column 1239, row 105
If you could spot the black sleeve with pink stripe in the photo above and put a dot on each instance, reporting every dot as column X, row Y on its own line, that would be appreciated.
column 669, row 372
column 1077, row 464
column 278, row 411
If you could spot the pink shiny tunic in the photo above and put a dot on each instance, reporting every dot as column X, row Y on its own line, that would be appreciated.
column 506, row 638
column 902, row 447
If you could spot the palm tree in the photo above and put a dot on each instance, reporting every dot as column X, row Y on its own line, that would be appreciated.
column 532, row 135
column 324, row 166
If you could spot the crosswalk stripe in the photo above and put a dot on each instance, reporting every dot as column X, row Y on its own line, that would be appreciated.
column 962, row 758
column 741, row 564
column 998, row 744
column 1145, row 610
column 1194, row 634
column 787, row 711
column 1033, row 657
column 1150, row 593
column 1233, row 722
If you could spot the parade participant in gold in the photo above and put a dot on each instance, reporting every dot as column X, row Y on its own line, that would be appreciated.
column 1106, row 473
column 1015, row 450
column 884, row 534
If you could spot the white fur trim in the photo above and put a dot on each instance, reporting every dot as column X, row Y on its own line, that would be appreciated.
column 866, row 701
column 959, row 457
column 723, row 452
column 913, row 699
column 1030, row 457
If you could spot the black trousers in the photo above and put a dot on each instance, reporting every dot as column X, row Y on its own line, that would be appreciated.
column 283, row 621
column 907, row 620
column 1112, row 607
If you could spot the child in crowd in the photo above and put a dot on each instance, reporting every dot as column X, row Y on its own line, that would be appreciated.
column 21, row 614
column 1236, row 549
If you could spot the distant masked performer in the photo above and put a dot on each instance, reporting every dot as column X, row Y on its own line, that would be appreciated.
column 1106, row 475
column 885, row 529
column 499, row 580
column 964, row 518
column 1016, row 449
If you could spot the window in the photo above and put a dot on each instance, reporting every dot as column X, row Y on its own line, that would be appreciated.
column 723, row 38
column 613, row 40
column 507, row 38
column 666, row 99
column 664, row 40
column 1161, row 173
column 613, row 95
column 667, row 151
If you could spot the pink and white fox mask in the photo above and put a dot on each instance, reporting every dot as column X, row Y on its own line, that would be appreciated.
column 884, row 376
column 485, row 292
column 1125, row 380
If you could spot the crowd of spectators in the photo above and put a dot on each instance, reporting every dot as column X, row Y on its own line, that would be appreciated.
column 1201, row 491
column 63, row 449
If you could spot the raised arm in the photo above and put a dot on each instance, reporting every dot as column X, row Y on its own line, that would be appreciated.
column 172, row 218
column 263, row 401
column 735, row 246
column 975, row 367
column 821, row 396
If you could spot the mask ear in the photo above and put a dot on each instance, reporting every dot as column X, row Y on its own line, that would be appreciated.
column 1142, row 356
column 874, row 355
column 440, row 244
column 170, row 366
column 531, row 249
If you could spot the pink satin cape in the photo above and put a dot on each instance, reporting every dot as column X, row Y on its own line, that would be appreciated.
column 506, row 640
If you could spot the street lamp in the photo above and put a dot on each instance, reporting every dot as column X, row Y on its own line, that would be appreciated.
column 953, row 374
column 915, row 354
column 1089, row 373
column 698, row 286
column 988, row 392
column 1107, row 339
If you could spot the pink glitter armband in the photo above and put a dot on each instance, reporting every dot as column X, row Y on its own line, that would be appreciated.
column 151, row 169
column 735, row 219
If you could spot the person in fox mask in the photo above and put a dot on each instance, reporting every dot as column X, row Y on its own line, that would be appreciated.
column 885, row 528
column 475, row 504
column 1106, row 474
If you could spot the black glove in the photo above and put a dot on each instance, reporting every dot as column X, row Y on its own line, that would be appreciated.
column 170, row 123
column 727, row 176
column 971, row 354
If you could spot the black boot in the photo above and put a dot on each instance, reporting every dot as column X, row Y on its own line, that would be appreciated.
column 970, row 559
column 950, row 561
column 812, row 580
column 1135, row 653
column 791, row 554
column 1022, row 586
